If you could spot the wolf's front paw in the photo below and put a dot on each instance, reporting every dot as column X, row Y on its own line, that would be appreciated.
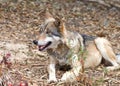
column 52, row 80
column 112, row 68
column 68, row 77
column 63, row 79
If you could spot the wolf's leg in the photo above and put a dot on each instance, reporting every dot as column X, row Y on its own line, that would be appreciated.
column 72, row 75
column 51, row 71
column 106, row 51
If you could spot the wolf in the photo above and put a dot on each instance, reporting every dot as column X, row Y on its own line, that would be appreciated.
column 79, row 51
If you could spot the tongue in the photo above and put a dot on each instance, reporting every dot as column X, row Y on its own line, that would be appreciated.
column 41, row 47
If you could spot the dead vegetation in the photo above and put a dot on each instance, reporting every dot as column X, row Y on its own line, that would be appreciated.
column 19, row 24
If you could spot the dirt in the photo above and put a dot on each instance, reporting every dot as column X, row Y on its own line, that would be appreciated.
column 19, row 24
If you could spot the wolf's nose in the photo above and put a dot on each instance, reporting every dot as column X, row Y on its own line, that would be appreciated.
column 35, row 42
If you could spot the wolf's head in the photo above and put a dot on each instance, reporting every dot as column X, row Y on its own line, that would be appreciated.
column 51, row 33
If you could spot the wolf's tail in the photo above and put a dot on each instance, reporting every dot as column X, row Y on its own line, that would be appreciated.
column 118, row 58
column 106, row 50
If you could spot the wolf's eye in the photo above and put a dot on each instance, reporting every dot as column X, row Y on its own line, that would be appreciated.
column 47, row 32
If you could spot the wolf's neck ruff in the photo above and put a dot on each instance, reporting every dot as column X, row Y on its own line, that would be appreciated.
column 64, row 51
column 60, row 52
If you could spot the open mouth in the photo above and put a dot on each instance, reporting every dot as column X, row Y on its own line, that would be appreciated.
column 42, row 47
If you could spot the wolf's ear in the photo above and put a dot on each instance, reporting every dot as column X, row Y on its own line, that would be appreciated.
column 62, row 27
column 59, row 23
column 48, row 16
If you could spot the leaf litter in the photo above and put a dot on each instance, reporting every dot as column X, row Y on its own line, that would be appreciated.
column 19, row 25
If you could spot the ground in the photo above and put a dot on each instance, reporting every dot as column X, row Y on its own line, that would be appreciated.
column 19, row 24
